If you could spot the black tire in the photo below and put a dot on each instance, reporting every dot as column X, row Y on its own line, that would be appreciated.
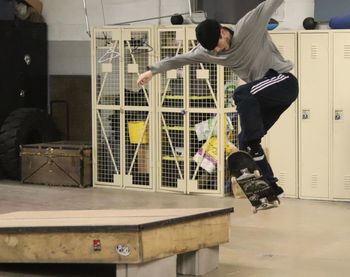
column 23, row 126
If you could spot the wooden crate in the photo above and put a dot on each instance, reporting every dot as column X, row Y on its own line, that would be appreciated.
column 62, row 163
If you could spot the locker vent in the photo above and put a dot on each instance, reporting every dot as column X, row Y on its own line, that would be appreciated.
column 281, row 49
column 314, row 52
column 347, row 182
column 346, row 51
column 282, row 178
column 314, row 181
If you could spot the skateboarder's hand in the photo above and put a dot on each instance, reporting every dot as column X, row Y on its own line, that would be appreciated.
column 144, row 78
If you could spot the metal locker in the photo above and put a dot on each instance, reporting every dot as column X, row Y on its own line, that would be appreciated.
column 315, row 99
column 106, row 105
column 202, row 108
column 282, row 139
column 171, row 117
column 341, row 120
column 137, row 109
column 123, row 116
column 212, row 122
column 196, row 120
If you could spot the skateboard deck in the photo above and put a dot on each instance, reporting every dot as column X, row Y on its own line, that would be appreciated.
column 245, row 172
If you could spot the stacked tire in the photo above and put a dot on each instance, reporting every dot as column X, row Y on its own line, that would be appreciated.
column 23, row 126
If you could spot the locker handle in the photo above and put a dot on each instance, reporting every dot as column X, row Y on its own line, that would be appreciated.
column 338, row 115
column 306, row 114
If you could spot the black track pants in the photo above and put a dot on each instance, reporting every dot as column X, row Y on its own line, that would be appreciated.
column 259, row 105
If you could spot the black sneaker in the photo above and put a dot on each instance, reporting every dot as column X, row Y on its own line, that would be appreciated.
column 257, row 155
column 278, row 190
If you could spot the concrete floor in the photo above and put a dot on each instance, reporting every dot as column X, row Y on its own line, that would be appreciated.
column 300, row 238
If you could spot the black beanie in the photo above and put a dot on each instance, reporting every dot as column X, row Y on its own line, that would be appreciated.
column 208, row 33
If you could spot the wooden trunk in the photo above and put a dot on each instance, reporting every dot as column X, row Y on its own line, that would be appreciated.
column 62, row 163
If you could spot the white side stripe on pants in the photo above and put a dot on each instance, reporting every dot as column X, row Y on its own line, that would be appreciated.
column 267, row 81
column 258, row 87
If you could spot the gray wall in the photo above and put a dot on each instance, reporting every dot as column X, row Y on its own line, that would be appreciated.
column 67, row 57
column 326, row 9
column 227, row 11
column 69, row 47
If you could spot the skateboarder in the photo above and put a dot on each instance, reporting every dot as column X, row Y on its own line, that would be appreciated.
column 247, row 48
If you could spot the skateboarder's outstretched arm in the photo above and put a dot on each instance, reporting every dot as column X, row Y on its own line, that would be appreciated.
column 256, row 20
column 191, row 57
column 216, row 42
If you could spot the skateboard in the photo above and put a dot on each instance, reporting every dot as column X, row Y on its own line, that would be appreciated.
column 245, row 172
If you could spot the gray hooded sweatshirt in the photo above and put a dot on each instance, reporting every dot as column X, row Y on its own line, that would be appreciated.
column 251, row 54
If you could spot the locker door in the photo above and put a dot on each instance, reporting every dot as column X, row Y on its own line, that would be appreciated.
column 341, row 131
column 282, row 138
column 106, row 108
column 171, row 103
column 202, row 107
column 315, row 115
column 137, row 109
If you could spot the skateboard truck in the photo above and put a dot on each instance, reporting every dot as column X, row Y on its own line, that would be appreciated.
column 246, row 174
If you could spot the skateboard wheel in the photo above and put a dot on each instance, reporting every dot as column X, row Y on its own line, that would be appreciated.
column 256, row 173
column 254, row 210
column 276, row 203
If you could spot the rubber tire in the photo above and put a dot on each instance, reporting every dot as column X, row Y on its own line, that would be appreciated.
column 23, row 126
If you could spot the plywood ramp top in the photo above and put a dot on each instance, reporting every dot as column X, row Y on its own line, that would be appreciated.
column 102, row 220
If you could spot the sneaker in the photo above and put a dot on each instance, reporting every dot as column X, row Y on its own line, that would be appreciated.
column 257, row 155
column 278, row 190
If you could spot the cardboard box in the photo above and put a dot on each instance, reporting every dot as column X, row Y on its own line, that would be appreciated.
column 143, row 159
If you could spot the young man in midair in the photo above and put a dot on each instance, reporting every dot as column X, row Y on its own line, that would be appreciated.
column 247, row 48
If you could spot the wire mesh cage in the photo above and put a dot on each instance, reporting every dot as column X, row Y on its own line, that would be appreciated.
column 137, row 51
column 172, row 150
column 203, row 83
column 172, row 85
column 204, row 146
column 177, row 135
column 230, row 82
column 108, row 146
column 138, row 54
column 171, row 119
column 193, row 130
column 137, row 147
column 203, row 150
column 213, row 136
column 122, row 110
column 106, row 77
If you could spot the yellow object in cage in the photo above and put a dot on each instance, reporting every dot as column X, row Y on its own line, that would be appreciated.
column 207, row 155
column 135, row 131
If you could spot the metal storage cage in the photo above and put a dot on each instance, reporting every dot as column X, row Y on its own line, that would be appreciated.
column 197, row 120
column 122, row 111
column 184, row 117
column 172, row 92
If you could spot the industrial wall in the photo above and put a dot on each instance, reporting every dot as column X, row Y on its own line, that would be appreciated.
column 69, row 46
